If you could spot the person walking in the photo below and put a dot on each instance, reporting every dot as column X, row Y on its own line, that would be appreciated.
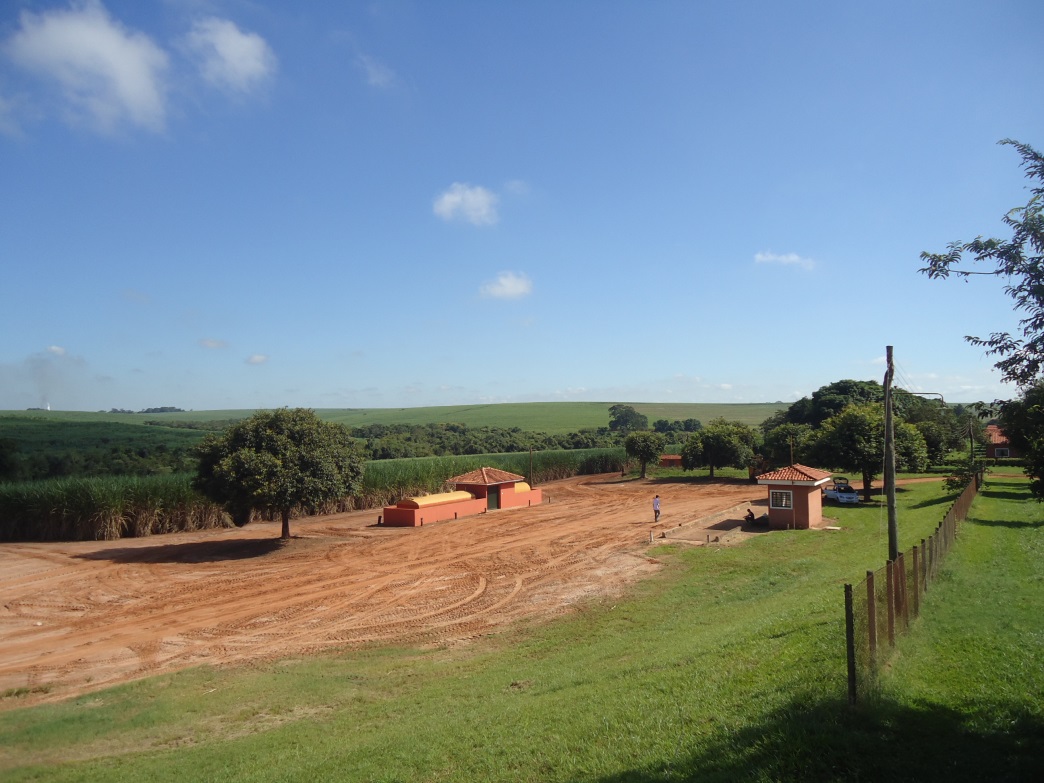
column 656, row 509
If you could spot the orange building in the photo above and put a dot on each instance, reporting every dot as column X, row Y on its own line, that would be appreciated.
column 795, row 497
column 485, row 489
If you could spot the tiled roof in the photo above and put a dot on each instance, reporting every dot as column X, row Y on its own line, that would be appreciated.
column 795, row 473
column 486, row 476
column 996, row 435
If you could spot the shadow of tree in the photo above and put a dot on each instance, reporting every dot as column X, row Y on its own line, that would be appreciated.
column 1009, row 523
column 884, row 741
column 191, row 552
column 1003, row 494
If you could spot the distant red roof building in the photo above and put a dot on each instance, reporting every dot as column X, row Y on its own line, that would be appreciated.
column 997, row 445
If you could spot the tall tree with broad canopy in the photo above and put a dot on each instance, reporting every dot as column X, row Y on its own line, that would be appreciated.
column 277, row 461
column 624, row 419
column 645, row 447
column 721, row 444
column 853, row 441
column 1020, row 261
column 827, row 401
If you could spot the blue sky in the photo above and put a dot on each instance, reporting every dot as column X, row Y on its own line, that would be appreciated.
column 251, row 203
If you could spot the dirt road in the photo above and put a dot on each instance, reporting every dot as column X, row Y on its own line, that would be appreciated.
column 80, row 616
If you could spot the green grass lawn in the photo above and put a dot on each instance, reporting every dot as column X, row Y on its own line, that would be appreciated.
column 729, row 665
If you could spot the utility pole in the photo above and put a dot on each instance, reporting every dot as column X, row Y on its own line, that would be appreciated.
column 889, row 460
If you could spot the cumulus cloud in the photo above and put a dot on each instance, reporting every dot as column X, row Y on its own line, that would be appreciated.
column 508, row 285
column 213, row 344
column 786, row 259
column 257, row 358
column 471, row 203
column 56, row 350
column 228, row 57
column 377, row 74
column 106, row 73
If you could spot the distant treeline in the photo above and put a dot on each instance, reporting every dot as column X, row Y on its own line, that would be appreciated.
column 31, row 449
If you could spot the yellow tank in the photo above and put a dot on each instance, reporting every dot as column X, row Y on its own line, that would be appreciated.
column 435, row 500
column 521, row 486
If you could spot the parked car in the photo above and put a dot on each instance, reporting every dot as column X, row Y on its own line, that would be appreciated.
column 841, row 491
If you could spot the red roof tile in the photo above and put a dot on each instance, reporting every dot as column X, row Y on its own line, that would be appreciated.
column 795, row 473
column 996, row 435
column 486, row 476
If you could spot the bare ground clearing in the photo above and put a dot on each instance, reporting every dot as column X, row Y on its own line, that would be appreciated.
column 84, row 615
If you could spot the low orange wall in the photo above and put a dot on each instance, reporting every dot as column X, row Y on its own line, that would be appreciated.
column 415, row 517
column 512, row 499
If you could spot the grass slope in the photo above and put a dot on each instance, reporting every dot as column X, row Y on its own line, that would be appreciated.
column 727, row 666
column 551, row 417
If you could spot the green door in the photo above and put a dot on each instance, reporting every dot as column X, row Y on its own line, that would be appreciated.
column 493, row 498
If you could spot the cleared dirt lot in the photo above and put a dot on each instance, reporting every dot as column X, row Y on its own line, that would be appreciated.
column 79, row 616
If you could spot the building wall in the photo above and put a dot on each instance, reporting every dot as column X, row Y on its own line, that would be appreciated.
column 415, row 517
column 807, row 506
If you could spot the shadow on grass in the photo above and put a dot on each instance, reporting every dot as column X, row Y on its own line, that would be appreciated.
column 1003, row 494
column 1008, row 523
column 192, row 552
column 884, row 741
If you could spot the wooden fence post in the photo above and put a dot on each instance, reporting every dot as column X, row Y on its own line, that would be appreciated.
column 871, row 618
column 924, row 566
column 915, row 572
column 850, row 644
column 891, row 603
column 904, row 602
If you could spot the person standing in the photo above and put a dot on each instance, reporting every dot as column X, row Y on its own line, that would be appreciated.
column 656, row 509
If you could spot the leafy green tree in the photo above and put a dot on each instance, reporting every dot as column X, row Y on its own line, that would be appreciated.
column 911, row 450
column 787, row 439
column 830, row 400
column 853, row 441
column 277, row 461
column 692, row 452
column 1020, row 261
column 624, row 419
column 645, row 447
column 720, row 444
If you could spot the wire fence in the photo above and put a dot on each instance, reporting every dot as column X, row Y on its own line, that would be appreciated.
column 881, row 607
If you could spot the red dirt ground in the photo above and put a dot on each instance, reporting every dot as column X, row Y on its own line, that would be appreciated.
column 84, row 615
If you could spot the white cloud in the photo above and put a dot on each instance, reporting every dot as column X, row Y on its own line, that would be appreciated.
column 213, row 344
column 229, row 58
column 257, row 358
column 787, row 259
column 377, row 74
column 472, row 203
column 508, row 285
column 107, row 74
column 56, row 350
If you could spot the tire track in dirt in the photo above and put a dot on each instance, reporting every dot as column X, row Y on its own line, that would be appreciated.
column 82, row 615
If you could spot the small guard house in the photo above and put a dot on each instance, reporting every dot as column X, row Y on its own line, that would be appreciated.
column 795, row 497
column 485, row 489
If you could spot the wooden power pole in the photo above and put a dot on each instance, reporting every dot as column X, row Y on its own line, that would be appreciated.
column 889, row 460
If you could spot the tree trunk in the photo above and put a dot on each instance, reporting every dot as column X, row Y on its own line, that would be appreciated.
column 868, row 481
column 286, row 523
column 712, row 471
column 643, row 468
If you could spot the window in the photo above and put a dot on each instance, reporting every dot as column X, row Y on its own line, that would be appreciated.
column 1000, row 453
column 780, row 499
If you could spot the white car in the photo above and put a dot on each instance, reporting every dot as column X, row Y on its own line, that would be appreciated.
column 841, row 491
